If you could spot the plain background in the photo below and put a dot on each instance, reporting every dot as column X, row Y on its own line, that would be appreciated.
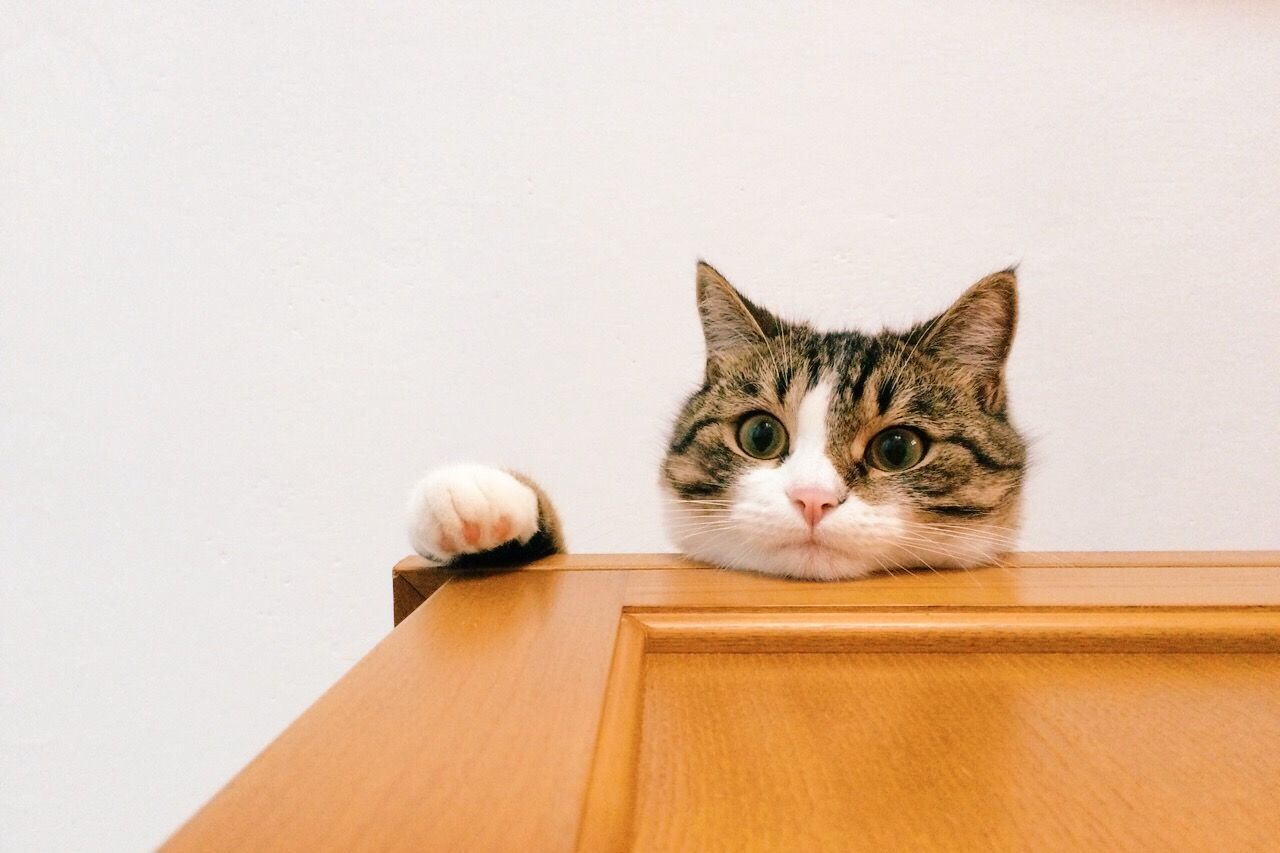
column 262, row 264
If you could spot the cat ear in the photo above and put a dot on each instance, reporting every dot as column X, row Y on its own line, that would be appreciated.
column 976, row 333
column 729, row 319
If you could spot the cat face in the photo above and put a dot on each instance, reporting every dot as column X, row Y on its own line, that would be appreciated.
column 834, row 454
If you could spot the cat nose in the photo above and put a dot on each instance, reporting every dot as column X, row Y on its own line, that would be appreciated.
column 813, row 502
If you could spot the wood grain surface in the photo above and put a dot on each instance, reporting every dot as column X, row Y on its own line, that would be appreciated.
column 604, row 702
column 471, row 727
column 883, row 751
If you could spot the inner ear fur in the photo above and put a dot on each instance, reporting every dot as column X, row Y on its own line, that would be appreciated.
column 729, row 319
column 976, row 333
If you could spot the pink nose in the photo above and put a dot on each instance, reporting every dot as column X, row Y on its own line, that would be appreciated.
column 813, row 502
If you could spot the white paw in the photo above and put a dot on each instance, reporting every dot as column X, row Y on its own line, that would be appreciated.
column 465, row 509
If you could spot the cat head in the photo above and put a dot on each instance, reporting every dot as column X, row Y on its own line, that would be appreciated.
column 834, row 454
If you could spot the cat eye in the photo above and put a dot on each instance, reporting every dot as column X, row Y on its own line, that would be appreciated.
column 896, row 449
column 762, row 436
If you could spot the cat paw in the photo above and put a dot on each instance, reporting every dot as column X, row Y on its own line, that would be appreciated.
column 469, row 509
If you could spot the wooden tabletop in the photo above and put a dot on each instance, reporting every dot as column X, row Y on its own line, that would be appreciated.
column 500, row 713
column 1045, row 576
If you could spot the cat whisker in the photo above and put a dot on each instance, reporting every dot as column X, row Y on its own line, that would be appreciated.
column 704, row 519
column 881, row 564
column 705, row 525
column 993, row 533
column 905, row 568
column 698, row 500
column 701, row 509
column 964, row 559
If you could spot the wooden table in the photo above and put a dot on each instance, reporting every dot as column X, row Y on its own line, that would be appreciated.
column 1098, row 701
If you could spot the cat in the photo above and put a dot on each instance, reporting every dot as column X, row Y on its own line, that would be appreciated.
column 804, row 453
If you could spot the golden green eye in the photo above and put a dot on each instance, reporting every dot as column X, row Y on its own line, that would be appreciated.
column 896, row 449
column 762, row 436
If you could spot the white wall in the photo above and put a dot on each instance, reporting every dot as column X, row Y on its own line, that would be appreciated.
column 262, row 264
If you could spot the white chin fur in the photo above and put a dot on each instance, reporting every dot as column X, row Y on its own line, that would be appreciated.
column 856, row 540
column 754, row 526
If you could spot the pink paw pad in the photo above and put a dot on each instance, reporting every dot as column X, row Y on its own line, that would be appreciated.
column 471, row 532
column 502, row 528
